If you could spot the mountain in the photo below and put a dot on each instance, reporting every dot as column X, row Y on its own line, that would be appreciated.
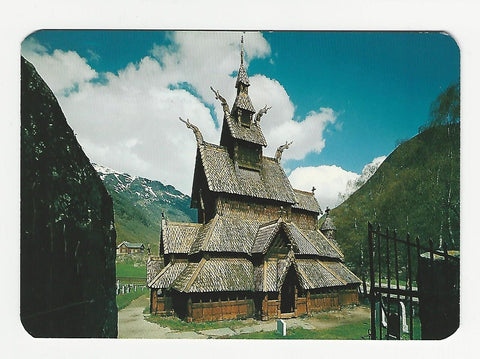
column 138, row 203
column 415, row 190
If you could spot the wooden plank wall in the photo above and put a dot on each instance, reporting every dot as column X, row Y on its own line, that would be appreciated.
column 222, row 310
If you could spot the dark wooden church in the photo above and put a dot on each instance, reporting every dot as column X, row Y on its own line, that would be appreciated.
column 256, row 250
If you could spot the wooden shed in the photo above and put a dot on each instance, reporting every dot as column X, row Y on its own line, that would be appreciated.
column 256, row 250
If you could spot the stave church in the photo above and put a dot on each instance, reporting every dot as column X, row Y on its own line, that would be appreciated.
column 256, row 250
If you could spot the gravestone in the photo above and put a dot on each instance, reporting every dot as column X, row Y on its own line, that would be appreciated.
column 404, row 318
column 281, row 327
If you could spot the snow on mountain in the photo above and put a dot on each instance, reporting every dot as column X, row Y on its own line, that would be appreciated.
column 145, row 193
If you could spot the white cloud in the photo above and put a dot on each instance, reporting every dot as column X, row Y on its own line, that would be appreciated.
column 63, row 71
column 130, row 121
column 329, row 181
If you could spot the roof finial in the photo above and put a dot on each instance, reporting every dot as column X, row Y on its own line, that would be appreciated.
column 241, row 53
column 260, row 113
column 224, row 103
column 278, row 153
column 313, row 190
column 196, row 131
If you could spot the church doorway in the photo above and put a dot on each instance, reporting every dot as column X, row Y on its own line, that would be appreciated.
column 287, row 304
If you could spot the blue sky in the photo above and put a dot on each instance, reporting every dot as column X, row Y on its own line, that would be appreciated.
column 346, row 98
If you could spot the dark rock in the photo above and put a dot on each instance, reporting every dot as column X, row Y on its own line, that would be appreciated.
column 67, row 227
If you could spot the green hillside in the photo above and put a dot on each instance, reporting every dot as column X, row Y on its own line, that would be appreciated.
column 138, row 204
column 415, row 190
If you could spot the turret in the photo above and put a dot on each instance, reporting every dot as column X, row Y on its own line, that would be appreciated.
column 241, row 134
column 328, row 228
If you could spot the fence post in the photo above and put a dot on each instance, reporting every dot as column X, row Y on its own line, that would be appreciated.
column 379, row 257
column 410, row 284
column 372, row 283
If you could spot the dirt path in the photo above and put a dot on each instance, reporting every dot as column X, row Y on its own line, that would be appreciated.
column 131, row 323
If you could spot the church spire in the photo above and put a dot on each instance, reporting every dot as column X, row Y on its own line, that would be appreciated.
column 242, row 77
column 243, row 109
column 241, row 52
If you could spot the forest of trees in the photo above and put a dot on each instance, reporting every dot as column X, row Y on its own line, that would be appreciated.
column 416, row 189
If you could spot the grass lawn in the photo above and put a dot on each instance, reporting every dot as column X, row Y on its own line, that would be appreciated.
column 178, row 324
column 131, row 270
column 354, row 330
column 125, row 299
column 336, row 327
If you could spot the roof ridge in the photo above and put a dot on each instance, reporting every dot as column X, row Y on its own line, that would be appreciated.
column 205, row 143
column 159, row 274
column 306, row 238
column 302, row 191
column 268, row 223
column 208, row 236
column 324, row 265
column 304, row 276
column 194, row 274
column 331, row 244
column 186, row 224
column 346, row 268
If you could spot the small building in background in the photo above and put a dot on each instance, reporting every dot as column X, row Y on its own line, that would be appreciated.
column 129, row 248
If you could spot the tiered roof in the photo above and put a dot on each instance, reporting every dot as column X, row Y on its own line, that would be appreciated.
column 223, row 176
column 232, row 234
column 220, row 254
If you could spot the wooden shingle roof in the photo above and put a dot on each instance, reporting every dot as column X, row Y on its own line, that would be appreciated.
column 308, row 242
column 264, row 236
column 154, row 266
column 242, row 76
column 324, row 246
column 179, row 237
column 167, row 275
column 222, row 176
column 131, row 245
column 251, row 134
column 216, row 275
column 341, row 271
column 306, row 201
column 311, row 273
column 226, row 234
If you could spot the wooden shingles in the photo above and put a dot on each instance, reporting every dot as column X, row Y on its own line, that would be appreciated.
column 167, row 275
column 223, row 177
column 312, row 274
column 179, row 237
column 306, row 201
column 217, row 275
column 343, row 272
column 251, row 134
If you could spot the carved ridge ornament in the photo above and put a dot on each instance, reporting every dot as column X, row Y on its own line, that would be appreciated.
column 260, row 113
column 278, row 153
column 196, row 131
column 226, row 108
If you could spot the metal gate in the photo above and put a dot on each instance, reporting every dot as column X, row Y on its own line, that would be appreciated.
column 394, row 293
